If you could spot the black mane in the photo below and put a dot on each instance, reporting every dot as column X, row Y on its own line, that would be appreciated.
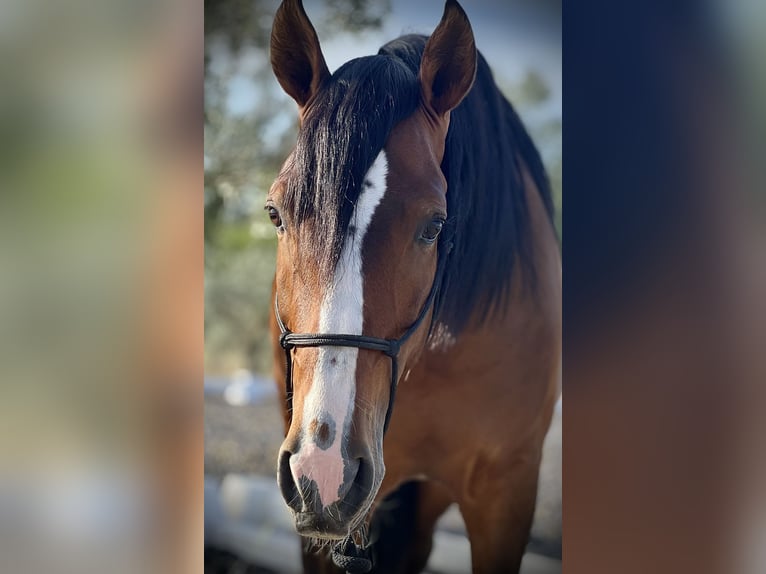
column 485, row 148
column 486, row 145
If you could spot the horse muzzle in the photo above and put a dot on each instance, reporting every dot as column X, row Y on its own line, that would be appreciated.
column 329, row 495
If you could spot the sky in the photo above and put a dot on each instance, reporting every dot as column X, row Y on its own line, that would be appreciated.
column 514, row 36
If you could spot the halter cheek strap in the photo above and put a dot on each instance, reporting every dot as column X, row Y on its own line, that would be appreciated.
column 390, row 347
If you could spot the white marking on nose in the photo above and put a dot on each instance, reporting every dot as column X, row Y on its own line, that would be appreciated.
column 334, row 386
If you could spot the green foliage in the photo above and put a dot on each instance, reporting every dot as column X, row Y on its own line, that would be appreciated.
column 240, row 22
column 355, row 15
column 531, row 91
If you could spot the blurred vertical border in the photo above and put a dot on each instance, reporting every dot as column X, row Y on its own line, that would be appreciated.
column 101, row 286
column 664, row 307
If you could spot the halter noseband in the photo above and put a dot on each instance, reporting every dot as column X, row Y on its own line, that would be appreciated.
column 390, row 347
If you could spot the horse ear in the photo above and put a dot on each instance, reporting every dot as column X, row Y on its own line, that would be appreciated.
column 448, row 66
column 296, row 56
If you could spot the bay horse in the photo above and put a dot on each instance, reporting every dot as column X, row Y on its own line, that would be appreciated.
column 417, row 302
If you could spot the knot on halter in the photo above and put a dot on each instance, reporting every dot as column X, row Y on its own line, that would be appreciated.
column 283, row 342
column 393, row 348
column 352, row 558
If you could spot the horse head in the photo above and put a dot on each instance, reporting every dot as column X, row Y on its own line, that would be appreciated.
column 360, row 213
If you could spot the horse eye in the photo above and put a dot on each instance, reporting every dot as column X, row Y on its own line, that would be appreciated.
column 274, row 216
column 432, row 230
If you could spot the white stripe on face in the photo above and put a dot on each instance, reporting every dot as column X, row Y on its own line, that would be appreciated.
column 331, row 397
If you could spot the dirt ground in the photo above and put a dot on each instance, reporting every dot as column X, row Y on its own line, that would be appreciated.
column 242, row 439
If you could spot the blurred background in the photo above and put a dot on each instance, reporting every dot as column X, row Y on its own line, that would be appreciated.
column 250, row 127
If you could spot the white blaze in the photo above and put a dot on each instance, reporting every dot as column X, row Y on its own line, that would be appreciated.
column 334, row 386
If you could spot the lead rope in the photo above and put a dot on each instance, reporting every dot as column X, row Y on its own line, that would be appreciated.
column 356, row 559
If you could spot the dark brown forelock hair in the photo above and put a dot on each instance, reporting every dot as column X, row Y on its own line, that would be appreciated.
column 343, row 131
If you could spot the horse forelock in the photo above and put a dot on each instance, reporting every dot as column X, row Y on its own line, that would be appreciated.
column 343, row 131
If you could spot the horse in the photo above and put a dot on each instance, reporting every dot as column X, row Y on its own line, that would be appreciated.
column 416, row 320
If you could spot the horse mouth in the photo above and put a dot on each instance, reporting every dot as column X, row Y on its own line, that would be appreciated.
column 329, row 524
column 317, row 517
column 319, row 525
column 341, row 518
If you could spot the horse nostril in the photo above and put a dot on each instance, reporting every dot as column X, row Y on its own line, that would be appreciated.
column 359, row 484
column 350, row 475
column 287, row 485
